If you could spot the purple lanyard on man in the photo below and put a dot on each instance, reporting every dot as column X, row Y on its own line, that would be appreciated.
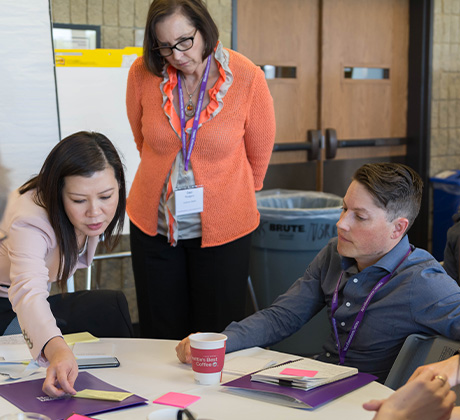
column 360, row 316
column 187, row 153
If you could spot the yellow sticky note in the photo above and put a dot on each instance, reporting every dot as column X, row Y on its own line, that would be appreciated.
column 94, row 394
column 83, row 337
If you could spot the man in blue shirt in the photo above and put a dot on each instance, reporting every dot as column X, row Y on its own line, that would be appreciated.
column 377, row 287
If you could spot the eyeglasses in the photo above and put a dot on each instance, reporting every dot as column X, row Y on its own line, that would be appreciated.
column 3, row 235
column 183, row 45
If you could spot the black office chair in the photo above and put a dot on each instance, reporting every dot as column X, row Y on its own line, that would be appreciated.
column 103, row 313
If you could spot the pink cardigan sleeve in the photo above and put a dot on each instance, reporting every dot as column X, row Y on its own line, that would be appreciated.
column 33, row 257
column 30, row 265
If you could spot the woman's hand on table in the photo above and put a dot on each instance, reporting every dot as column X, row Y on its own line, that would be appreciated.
column 63, row 369
column 428, row 397
column 183, row 351
column 448, row 368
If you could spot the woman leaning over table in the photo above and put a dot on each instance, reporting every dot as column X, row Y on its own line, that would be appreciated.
column 191, row 262
column 53, row 223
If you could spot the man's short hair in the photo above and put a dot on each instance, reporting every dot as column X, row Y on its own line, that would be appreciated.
column 395, row 187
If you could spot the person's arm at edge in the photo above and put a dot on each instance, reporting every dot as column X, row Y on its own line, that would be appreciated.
column 448, row 368
column 425, row 398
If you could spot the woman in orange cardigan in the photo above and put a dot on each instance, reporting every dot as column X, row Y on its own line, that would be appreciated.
column 203, row 122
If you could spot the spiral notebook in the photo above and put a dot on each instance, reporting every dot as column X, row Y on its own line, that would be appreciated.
column 286, row 393
column 295, row 397
column 303, row 373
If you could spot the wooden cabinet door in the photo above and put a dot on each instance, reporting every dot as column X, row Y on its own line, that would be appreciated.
column 371, row 35
column 284, row 33
column 323, row 40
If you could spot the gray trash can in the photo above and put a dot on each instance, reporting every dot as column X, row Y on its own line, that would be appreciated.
column 294, row 227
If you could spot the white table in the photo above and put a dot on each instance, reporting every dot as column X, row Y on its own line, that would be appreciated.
column 149, row 368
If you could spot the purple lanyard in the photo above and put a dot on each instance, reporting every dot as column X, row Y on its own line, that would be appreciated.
column 360, row 316
column 199, row 104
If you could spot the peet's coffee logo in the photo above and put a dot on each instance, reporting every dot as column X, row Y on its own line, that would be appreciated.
column 207, row 361
column 316, row 231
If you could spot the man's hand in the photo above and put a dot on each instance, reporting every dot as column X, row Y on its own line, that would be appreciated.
column 427, row 397
column 183, row 351
column 62, row 371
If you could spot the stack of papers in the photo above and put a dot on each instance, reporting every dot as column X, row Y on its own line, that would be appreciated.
column 15, row 359
column 304, row 373
column 242, row 365
column 297, row 397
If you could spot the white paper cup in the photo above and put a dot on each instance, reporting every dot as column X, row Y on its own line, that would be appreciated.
column 208, row 356
column 24, row 416
column 165, row 414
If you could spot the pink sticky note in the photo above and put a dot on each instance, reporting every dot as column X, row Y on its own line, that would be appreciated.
column 176, row 399
column 299, row 372
column 76, row 416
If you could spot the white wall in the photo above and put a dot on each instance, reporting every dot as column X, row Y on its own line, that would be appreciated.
column 91, row 99
column 28, row 111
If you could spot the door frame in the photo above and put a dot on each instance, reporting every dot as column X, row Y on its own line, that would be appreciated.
column 421, row 15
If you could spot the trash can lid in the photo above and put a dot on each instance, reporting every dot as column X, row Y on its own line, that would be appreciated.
column 447, row 177
column 296, row 200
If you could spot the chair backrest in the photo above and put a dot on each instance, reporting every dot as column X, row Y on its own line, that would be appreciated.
column 418, row 350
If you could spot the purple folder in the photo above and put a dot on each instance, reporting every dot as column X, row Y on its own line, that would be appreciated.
column 28, row 396
column 296, row 397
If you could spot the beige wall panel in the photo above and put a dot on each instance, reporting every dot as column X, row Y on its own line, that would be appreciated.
column 363, row 33
column 285, row 33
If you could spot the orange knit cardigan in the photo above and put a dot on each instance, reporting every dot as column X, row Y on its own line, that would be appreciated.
column 230, row 156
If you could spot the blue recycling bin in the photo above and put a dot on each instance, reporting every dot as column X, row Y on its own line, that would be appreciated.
column 294, row 227
column 446, row 200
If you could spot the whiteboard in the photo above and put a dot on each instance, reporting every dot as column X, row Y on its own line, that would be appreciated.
column 93, row 99
column 29, row 126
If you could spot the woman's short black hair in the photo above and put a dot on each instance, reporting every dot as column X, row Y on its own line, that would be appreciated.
column 195, row 11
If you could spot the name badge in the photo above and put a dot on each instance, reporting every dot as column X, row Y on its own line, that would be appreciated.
column 189, row 201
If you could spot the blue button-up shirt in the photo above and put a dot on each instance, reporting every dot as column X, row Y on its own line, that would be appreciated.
column 419, row 298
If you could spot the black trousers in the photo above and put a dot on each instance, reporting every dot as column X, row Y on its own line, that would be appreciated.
column 103, row 313
column 187, row 288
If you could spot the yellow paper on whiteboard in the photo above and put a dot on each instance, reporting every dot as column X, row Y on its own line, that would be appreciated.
column 99, row 57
